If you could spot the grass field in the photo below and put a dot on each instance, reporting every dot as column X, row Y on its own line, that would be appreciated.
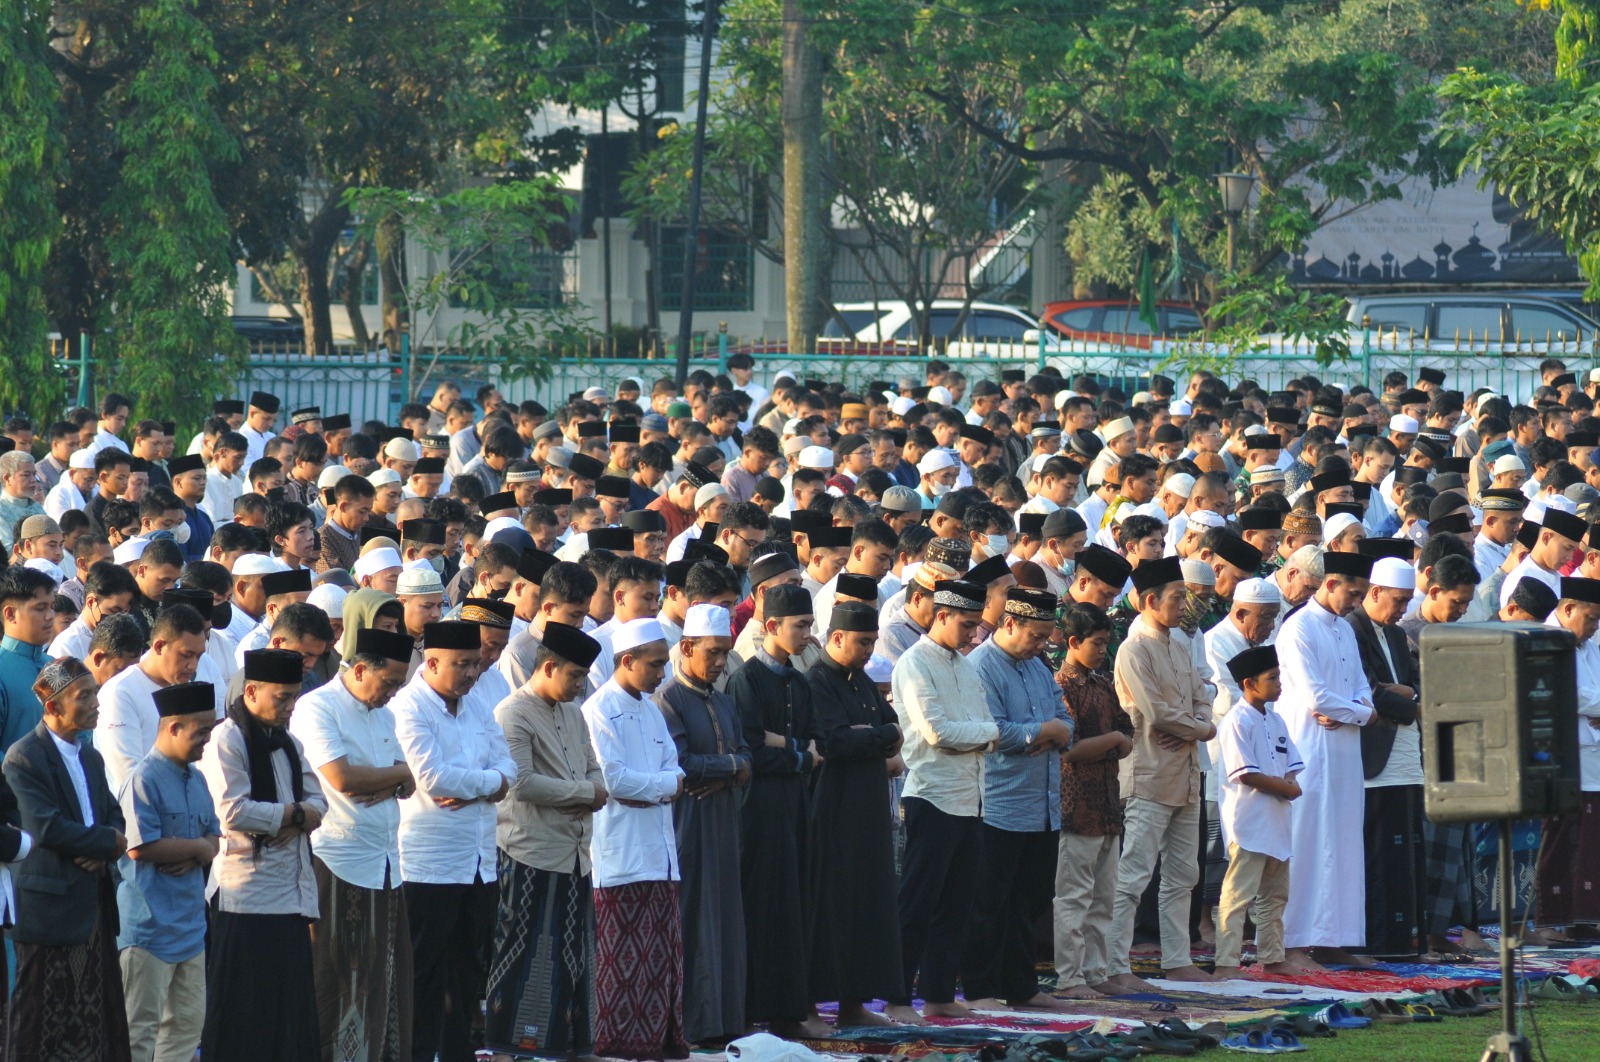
column 1570, row 1033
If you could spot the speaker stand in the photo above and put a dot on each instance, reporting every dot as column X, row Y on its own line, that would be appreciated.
column 1507, row 1044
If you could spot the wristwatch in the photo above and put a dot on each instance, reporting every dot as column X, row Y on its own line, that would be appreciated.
column 298, row 816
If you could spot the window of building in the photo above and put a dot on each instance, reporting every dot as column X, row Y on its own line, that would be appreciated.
column 723, row 266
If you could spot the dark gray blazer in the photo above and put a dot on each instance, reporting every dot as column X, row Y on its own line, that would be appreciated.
column 1377, row 738
column 57, row 900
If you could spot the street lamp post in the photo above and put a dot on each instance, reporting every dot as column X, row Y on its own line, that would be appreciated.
column 1235, row 188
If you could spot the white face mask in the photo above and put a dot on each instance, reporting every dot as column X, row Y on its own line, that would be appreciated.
column 181, row 533
column 997, row 545
column 1069, row 568
column 941, row 489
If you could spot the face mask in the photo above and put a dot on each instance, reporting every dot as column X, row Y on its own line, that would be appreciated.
column 997, row 545
column 222, row 615
column 499, row 595
column 1069, row 568
column 941, row 489
column 437, row 563
column 181, row 533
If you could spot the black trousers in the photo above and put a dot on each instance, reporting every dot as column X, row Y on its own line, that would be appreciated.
column 451, row 928
column 1018, row 887
column 938, row 883
column 1392, row 827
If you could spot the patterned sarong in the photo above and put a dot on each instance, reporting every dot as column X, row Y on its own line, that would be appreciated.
column 639, row 972
column 361, row 962
column 541, row 980
column 68, row 1005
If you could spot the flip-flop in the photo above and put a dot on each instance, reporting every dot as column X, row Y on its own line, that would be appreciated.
column 1304, row 1026
column 1110, row 1049
column 1556, row 988
column 1207, row 1035
column 1420, row 1012
column 1387, row 1012
column 1284, row 1040
column 1254, row 1042
column 1338, row 1016
column 1157, row 1040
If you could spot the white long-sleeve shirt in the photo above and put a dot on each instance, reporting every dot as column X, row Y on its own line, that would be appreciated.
column 639, row 762
column 63, row 498
column 944, row 714
column 462, row 755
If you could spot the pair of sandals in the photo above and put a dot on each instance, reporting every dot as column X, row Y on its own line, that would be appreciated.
column 1339, row 1016
column 1393, row 1012
column 1174, row 1037
column 1068, row 1047
column 1267, row 1039
column 1561, row 988
column 1458, row 1002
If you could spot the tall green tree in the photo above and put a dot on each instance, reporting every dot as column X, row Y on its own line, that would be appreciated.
column 30, row 161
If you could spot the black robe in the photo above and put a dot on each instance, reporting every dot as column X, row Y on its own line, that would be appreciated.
column 856, row 939
column 772, row 840
column 711, row 749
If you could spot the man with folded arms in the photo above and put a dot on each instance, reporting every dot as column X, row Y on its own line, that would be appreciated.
column 362, row 941
column 638, row 927
column 541, row 980
column 941, row 703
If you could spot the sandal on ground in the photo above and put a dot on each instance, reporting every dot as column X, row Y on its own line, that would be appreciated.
column 1339, row 1016
column 1158, row 1040
column 1254, row 1042
column 1387, row 1012
column 1305, row 1027
column 1554, row 987
column 1207, row 1035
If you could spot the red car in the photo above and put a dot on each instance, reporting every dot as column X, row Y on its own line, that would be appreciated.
column 1117, row 321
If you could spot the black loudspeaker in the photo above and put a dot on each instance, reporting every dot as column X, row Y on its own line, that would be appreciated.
column 1499, row 721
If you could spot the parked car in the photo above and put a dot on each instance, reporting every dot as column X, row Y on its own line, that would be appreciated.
column 985, row 328
column 1117, row 321
column 1492, row 317
column 278, row 330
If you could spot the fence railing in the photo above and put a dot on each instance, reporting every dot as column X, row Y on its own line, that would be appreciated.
column 374, row 385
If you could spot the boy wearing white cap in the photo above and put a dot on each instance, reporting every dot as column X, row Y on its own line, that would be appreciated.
column 938, row 471
column 638, row 926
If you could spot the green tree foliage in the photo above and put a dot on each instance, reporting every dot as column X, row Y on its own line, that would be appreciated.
column 1536, row 141
column 30, row 161
column 167, row 238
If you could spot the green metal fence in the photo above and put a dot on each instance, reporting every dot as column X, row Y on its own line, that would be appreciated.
column 374, row 385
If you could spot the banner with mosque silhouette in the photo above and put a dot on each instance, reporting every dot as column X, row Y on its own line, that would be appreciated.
column 1452, row 235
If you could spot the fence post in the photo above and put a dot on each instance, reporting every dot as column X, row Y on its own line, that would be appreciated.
column 83, row 369
column 722, row 346
column 1366, row 356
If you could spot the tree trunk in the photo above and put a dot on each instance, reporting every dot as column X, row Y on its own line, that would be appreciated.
column 316, row 295
column 802, row 180
column 391, row 239
column 355, row 268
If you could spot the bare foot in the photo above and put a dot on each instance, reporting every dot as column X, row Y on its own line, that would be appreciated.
column 1079, row 992
column 1299, row 960
column 947, row 1010
column 1124, row 984
column 1472, row 941
column 987, row 1003
column 1286, row 968
column 1186, row 973
column 812, row 1028
column 1226, row 973
column 1341, row 957
column 1040, row 1001
column 856, row 1014
column 903, row 1013
column 1547, row 937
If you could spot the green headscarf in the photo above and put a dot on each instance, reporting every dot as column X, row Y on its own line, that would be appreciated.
column 360, row 609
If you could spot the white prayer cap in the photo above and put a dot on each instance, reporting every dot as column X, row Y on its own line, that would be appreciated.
column 1508, row 463
column 1117, row 428
column 402, row 450
column 1141, row 398
column 1198, row 571
column 1181, row 408
column 637, row 632
column 1255, row 429
column 707, row 494
column 879, row 669
column 1257, row 592
column 257, row 564
column 1337, row 525
column 1477, row 407
column 1179, row 483
column 794, row 444
column 331, row 475
column 383, row 477
column 81, row 460
column 816, row 457
column 941, row 395
column 416, row 580
column 935, row 460
column 375, row 561
column 901, row 405
column 130, row 550
column 783, row 374
column 1062, row 396
column 791, row 425
column 48, row 566
column 497, row 525
column 707, row 621
column 1206, row 518
column 1534, row 513
column 594, row 394
column 329, row 598
column 1404, row 425
column 1394, row 573
column 1594, row 375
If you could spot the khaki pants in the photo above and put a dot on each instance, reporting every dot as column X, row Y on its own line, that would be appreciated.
column 1086, row 886
column 1260, row 884
column 166, row 1005
column 1152, row 831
